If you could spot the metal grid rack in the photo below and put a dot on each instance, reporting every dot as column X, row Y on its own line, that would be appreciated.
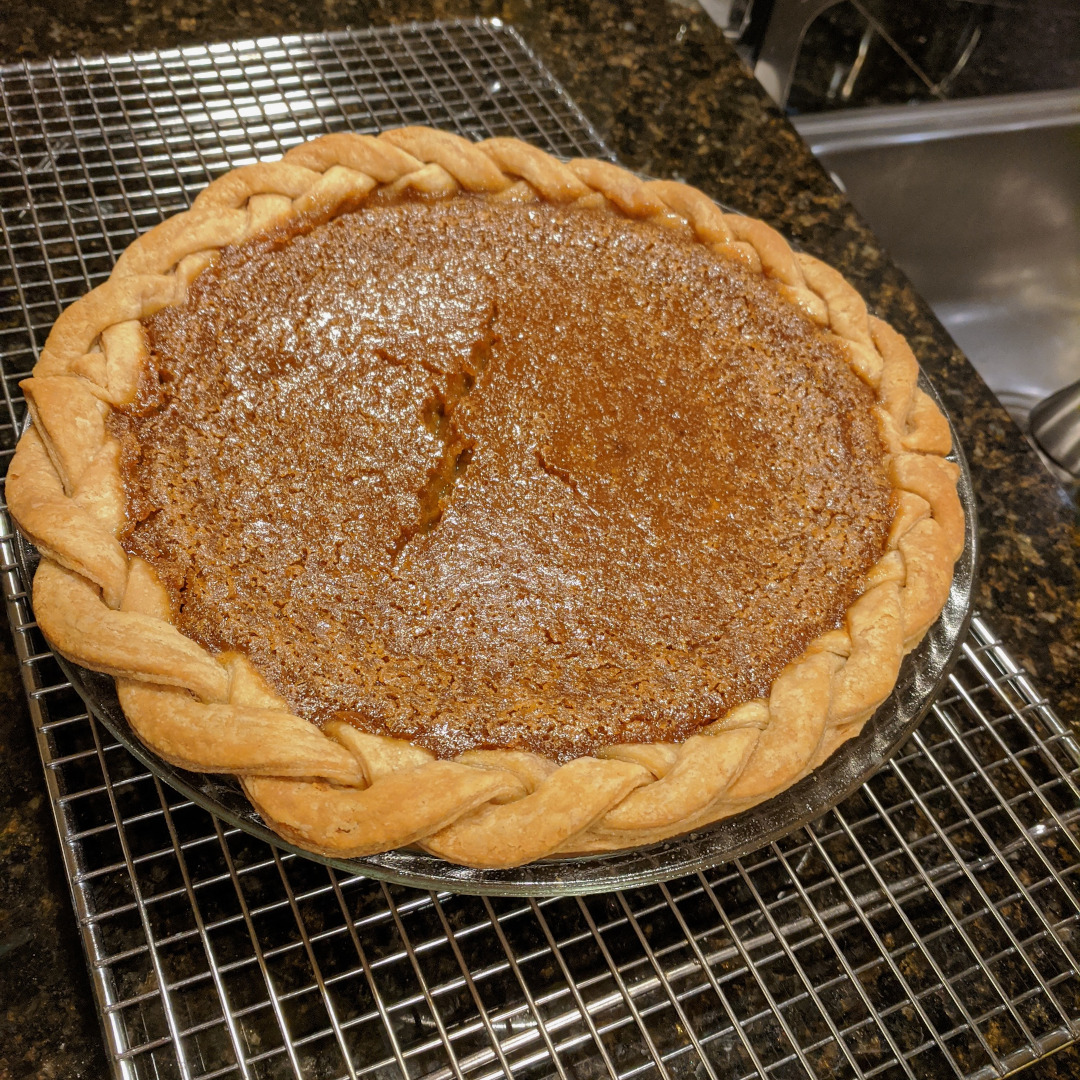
column 927, row 926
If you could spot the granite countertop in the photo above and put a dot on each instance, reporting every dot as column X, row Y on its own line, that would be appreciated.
column 670, row 96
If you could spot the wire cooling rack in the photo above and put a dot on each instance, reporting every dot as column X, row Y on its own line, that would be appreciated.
column 928, row 926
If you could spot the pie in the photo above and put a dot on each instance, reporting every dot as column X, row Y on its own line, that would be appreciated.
column 455, row 496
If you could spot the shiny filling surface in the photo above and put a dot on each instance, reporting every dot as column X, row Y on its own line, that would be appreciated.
column 479, row 473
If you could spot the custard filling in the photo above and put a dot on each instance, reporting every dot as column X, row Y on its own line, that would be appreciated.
column 481, row 473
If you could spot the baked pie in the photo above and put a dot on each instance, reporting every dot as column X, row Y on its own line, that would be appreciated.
column 452, row 495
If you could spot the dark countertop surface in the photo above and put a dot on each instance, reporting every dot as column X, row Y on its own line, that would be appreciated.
column 670, row 96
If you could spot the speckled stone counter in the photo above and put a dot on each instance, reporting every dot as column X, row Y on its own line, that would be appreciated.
column 672, row 99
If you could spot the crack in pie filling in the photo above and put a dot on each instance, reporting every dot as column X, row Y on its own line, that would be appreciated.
column 458, row 496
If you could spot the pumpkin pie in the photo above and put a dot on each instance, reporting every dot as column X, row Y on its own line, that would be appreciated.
column 452, row 495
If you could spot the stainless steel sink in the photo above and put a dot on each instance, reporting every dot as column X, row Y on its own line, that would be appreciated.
column 979, row 203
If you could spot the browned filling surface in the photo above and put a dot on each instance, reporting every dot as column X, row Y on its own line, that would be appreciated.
column 478, row 473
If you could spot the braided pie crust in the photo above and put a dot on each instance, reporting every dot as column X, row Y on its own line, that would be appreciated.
column 344, row 792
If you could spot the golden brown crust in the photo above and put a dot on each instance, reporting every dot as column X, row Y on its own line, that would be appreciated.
column 347, row 793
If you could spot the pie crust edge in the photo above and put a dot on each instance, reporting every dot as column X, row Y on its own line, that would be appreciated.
column 347, row 793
